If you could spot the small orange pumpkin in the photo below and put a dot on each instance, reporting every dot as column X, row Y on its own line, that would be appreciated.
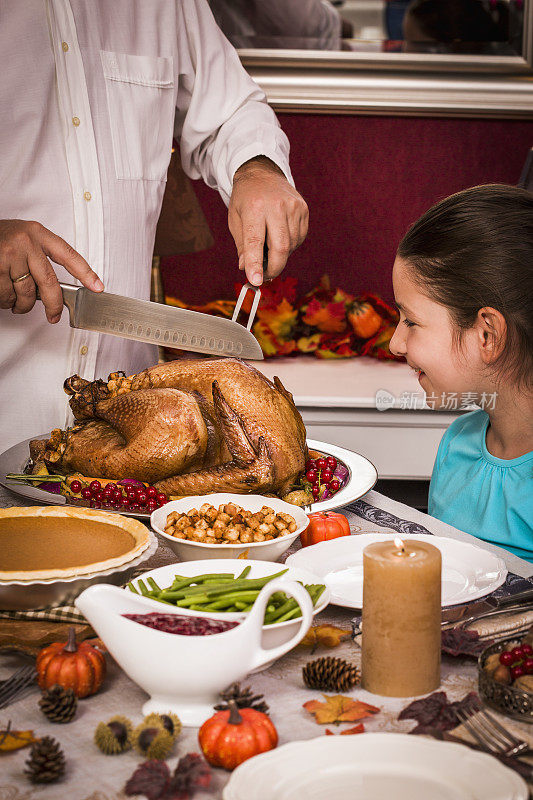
column 364, row 319
column 80, row 667
column 230, row 737
column 323, row 526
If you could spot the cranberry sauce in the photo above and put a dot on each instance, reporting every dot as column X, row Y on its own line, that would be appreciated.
column 185, row 626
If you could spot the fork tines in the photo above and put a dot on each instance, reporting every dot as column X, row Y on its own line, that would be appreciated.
column 490, row 734
column 16, row 684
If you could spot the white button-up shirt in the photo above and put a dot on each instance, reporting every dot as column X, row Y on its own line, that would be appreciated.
column 88, row 97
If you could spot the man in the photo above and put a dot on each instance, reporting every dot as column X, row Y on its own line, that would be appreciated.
column 88, row 96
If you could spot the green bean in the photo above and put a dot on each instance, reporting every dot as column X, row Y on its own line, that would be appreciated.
column 296, row 612
column 154, row 585
column 188, row 601
column 244, row 573
column 132, row 588
column 142, row 586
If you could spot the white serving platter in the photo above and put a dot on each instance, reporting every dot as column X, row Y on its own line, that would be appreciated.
column 362, row 477
column 374, row 766
column 468, row 571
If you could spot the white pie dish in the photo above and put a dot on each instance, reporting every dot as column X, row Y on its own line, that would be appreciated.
column 263, row 551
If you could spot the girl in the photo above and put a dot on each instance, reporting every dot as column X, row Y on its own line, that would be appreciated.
column 463, row 283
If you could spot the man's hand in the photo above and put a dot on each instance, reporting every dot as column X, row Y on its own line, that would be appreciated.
column 25, row 248
column 265, row 207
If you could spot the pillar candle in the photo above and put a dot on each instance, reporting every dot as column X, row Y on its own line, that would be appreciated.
column 401, row 618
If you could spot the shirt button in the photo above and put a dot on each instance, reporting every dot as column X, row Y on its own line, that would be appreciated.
column 87, row 196
column 84, row 350
column 76, row 121
column 64, row 45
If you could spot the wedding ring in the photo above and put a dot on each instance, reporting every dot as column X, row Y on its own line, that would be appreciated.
column 22, row 277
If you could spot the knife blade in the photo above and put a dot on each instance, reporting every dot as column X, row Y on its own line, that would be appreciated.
column 155, row 323
column 455, row 614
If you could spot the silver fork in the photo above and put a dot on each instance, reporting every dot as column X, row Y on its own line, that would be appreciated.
column 17, row 683
column 491, row 734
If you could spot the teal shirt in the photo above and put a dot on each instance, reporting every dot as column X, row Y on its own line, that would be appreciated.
column 489, row 497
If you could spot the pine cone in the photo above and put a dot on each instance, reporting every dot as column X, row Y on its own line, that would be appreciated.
column 46, row 762
column 330, row 674
column 243, row 699
column 58, row 704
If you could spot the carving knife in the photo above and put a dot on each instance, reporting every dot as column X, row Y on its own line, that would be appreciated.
column 158, row 324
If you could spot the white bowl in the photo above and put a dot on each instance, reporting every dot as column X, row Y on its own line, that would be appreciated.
column 273, row 635
column 264, row 551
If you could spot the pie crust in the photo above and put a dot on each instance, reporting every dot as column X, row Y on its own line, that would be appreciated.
column 42, row 543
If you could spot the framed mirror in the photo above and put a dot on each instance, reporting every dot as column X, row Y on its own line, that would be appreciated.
column 445, row 57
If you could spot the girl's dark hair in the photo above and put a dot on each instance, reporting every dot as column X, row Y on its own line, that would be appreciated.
column 475, row 249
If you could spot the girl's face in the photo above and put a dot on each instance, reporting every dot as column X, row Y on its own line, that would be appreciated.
column 424, row 336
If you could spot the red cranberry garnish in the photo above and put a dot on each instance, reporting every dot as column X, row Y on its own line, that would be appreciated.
column 321, row 463
column 517, row 653
column 315, row 491
column 506, row 658
column 332, row 463
column 95, row 486
column 162, row 498
column 528, row 666
column 334, row 485
column 311, row 464
column 312, row 475
column 75, row 487
column 517, row 672
column 151, row 492
column 95, row 504
column 527, row 650
column 327, row 475
column 185, row 626
column 86, row 493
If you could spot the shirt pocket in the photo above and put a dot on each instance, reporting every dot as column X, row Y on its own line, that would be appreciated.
column 140, row 101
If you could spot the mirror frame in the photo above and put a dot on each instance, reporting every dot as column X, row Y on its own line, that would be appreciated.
column 398, row 83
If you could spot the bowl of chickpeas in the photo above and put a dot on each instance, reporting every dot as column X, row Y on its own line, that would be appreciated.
column 228, row 526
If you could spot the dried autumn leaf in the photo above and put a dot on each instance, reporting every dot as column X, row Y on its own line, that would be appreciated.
column 14, row 740
column 337, row 708
column 459, row 642
column 435, row 712
column 326, row 635
column 151, row 778
column 356, row 729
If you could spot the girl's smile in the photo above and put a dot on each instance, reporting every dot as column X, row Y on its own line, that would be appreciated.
column 425, row 337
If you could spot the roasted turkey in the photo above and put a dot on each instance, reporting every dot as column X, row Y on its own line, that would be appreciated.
column 189, row 427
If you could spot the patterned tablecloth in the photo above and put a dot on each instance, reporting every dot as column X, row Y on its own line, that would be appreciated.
column 93, row 776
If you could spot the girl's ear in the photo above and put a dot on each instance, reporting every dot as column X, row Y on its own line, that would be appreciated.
column 491, row 329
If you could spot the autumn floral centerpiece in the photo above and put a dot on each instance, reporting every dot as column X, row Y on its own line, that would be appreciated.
column 326, row 322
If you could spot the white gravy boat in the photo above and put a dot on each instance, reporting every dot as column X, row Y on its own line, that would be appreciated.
column 185, row 674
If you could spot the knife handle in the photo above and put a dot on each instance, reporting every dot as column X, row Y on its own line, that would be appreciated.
column 511, row 599
column 69, row 298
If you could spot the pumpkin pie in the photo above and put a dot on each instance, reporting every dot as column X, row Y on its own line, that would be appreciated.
column 42, row 543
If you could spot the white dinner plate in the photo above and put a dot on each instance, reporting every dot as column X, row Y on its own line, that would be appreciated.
column 374, row 766
column 362, row 477
column 468, row 571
